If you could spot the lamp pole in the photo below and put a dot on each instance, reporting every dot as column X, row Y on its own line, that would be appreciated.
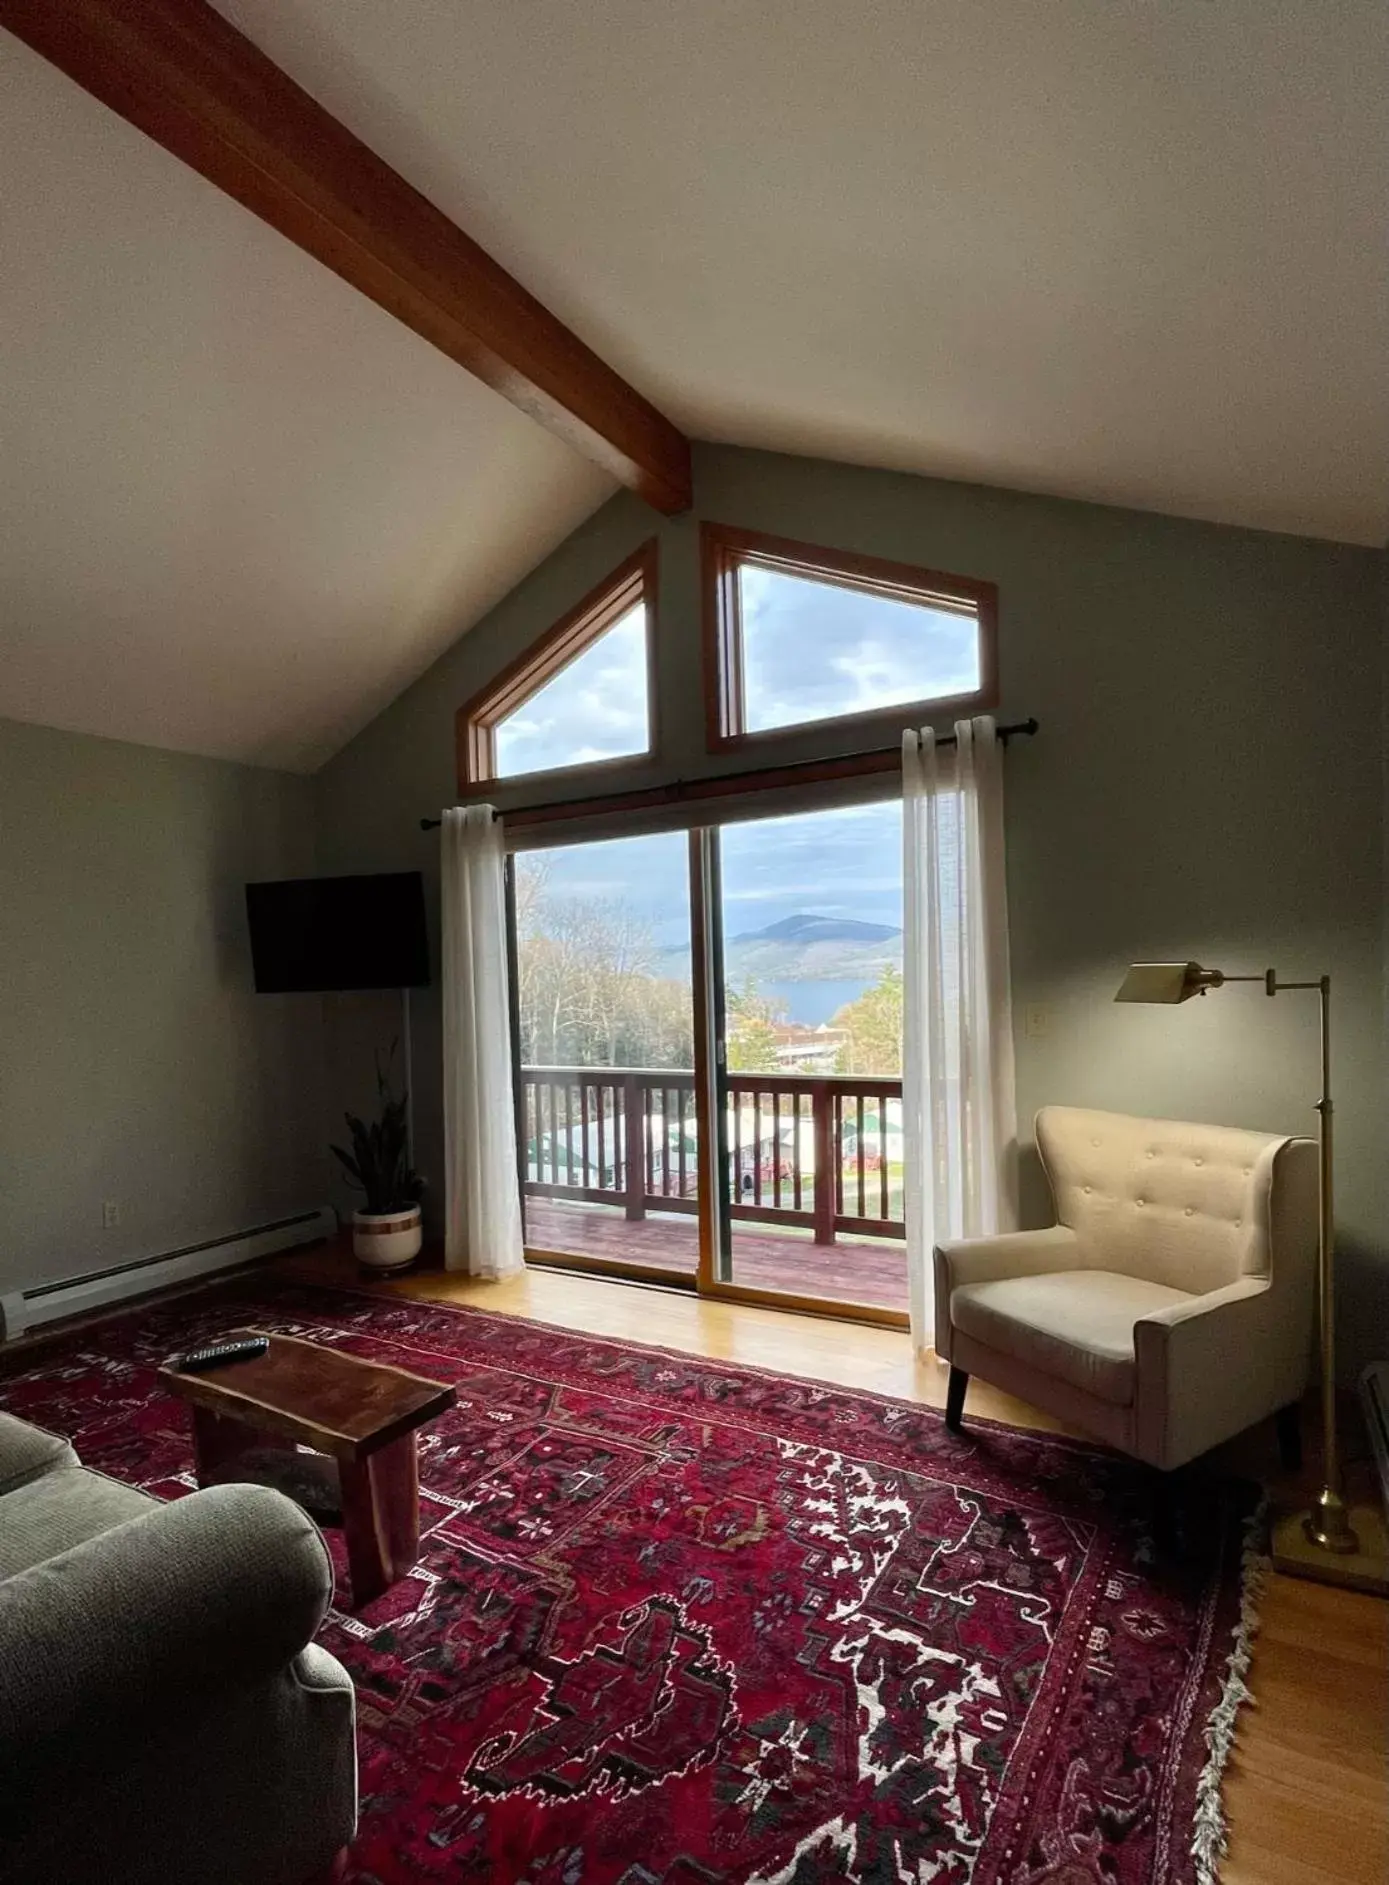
column 1328, row 1524
column 1321, row 1543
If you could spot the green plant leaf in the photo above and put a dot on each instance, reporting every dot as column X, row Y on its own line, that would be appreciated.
column 379, row 1163
column 349, row 1165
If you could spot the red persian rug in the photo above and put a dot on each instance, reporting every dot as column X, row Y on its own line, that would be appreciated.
column 677, row 1622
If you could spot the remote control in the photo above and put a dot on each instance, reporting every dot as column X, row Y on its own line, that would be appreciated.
column 199, row 1358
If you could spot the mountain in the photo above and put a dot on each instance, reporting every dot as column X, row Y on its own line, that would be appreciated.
column 808, row 929
column 805, row 948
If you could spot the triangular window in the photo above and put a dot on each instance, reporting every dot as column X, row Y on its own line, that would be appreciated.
column 580, row 696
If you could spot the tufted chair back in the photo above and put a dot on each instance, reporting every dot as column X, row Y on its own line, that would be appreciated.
column 1188, row 1206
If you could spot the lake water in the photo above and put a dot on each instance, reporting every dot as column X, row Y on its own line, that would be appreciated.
column 812, row 1003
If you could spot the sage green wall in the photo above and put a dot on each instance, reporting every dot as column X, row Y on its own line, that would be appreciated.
column 136, row 1062
column 1207, row 781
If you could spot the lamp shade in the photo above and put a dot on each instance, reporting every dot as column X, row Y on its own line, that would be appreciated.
column 1166, row 981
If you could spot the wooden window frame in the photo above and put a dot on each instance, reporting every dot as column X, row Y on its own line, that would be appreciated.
column 477, row 720
column 723, row 547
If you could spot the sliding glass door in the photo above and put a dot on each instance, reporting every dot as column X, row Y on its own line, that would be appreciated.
column 808, row 946
column 607, row 1127
column 708, row 1028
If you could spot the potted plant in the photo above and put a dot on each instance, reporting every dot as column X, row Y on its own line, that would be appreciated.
column 386, row 1232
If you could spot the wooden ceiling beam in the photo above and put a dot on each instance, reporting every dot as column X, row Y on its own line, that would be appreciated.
column 184, row 76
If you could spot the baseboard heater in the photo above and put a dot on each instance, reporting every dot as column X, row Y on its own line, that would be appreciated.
column 23, row 1309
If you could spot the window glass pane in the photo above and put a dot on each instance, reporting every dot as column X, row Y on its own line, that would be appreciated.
column 609, row 1122
column 812, row 927
column 818, row 651
column 596, row 708
column 811, row 912
column 603, row 954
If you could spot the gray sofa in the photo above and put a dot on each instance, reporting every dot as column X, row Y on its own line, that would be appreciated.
column 164, row 1713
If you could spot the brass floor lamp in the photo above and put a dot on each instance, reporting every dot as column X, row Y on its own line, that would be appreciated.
column 1330, row 1541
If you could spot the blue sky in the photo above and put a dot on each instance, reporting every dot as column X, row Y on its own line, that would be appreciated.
column 813, row 650
column 846, row 862
column 596, row 708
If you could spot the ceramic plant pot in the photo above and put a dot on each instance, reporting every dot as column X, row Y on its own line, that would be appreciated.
column 387, row 1240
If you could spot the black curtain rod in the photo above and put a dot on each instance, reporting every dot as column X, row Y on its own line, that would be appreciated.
column 1019, row 728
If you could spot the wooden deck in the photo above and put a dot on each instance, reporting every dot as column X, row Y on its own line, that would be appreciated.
column 857, row 1270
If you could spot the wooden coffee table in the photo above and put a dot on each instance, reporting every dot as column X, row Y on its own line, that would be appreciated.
column 360, row 1415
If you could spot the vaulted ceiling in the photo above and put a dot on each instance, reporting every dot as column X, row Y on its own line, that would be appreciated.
column 1133, row 254
column 240, row 506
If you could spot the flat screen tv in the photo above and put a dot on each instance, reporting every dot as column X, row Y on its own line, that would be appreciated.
column 318, row 933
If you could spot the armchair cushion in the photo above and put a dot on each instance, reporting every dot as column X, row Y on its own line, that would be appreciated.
column 1077, row 1325
column 28, row 1452
column 988, row 1259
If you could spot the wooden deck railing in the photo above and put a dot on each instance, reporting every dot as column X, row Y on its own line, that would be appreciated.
column 822, row 1151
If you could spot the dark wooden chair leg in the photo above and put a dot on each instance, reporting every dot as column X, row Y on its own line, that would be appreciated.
column 1288, row 1422
column 955, row 1399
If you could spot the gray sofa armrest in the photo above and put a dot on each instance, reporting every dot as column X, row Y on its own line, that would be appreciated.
column 158, row 1616
column 27, row 1453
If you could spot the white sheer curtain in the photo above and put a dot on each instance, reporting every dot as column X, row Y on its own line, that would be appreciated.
column 958, row 1107
column 482, row 1204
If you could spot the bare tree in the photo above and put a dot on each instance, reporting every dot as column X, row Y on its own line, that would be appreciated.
column 588, row 989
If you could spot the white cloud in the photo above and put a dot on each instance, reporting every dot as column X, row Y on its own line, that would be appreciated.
column 594, row 709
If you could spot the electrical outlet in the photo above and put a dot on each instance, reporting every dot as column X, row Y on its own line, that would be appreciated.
column 1037, row 1018
column 110, row 1214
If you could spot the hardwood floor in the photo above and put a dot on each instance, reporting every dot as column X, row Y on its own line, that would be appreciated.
column 1305, row 1790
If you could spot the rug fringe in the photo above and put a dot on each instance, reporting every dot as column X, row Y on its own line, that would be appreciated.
column 1210, row 1839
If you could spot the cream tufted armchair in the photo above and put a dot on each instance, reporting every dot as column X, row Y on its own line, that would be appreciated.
column 1171, row 1304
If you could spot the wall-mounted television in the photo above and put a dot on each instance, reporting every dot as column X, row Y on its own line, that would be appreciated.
column 312, row 934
